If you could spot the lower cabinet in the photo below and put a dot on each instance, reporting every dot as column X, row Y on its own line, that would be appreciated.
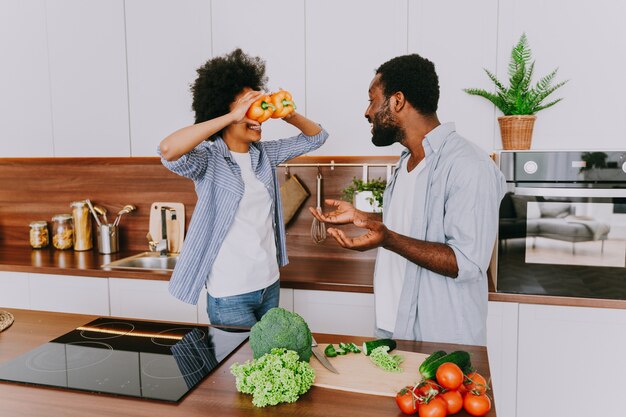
column 571, row 361
column 335, row 312
column 147, row 299
column 502, row 342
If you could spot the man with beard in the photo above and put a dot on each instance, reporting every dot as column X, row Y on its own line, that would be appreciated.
column 440, row 214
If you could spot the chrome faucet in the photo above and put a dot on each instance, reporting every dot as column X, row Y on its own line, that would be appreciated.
column 162, row 246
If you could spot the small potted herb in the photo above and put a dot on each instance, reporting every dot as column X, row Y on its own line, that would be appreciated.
column 366, row 195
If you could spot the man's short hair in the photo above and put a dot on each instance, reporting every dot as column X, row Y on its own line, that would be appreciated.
column 415, row 77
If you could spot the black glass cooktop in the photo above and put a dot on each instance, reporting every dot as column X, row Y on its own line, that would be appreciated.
column 161, row 361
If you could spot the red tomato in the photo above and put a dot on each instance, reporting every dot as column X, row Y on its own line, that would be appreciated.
column 428, row 388
column 475, row 383
column 434, row 408
column 454, row 401
column 406, row 401
column 449, row 375
column 477, row 405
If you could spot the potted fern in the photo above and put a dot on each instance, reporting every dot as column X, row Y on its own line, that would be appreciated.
column 520, row 101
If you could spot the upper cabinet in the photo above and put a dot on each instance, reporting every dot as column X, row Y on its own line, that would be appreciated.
column 25, row 112
column 88, row 83
column 460, row 38
column 345, row 42
column 166, row 42
column 273, row 30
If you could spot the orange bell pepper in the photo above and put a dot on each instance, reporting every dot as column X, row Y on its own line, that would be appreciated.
column 284, row 104
column 261, row 109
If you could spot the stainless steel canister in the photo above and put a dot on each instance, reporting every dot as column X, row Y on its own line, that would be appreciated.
column 108, row 239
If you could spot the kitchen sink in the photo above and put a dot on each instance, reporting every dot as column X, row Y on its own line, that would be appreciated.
column 145, row 261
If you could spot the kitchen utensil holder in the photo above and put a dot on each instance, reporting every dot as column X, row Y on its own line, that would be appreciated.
column 108, row 239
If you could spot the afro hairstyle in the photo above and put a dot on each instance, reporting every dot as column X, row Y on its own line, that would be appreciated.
column 415, row 77
column 221, row 79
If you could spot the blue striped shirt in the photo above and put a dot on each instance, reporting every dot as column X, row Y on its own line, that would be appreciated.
column 219, row 186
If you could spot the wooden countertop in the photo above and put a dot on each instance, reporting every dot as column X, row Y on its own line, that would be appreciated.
column 216, row 395
column 307, row 273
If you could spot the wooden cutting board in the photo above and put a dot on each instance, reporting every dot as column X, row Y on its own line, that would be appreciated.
column 357, row 373
column 175, row 229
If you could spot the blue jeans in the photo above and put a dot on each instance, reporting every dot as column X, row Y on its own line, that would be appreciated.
column 243, row 310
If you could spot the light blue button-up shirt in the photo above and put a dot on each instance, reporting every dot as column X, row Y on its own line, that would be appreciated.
column 463, row 197
column 219, row 186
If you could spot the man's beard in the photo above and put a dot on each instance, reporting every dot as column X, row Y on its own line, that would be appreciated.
column 386, row 131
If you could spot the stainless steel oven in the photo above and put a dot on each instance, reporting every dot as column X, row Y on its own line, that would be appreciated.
column 562, row 226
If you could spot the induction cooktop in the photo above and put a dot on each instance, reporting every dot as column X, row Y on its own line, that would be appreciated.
column 161, row 361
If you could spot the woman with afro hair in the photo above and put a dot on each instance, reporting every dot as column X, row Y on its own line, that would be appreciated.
column 236, row 239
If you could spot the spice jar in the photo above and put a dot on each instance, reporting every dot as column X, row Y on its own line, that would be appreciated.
column 82, row 225
column 62, row 231
column 39, row 234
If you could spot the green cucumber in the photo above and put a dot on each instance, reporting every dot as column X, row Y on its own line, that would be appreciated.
column 433, row 357
column 459, row 357
column 330, row 351
column 369, row 346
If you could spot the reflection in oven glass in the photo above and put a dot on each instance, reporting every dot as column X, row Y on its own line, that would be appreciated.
column 565, row 233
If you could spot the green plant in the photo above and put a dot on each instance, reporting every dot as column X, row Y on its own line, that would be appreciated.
column 280, row 328
column 376, row 186
column 276, row 377
column 520, row 98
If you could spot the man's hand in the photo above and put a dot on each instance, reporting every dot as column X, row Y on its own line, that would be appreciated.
column 375, row 237
column 344, row 213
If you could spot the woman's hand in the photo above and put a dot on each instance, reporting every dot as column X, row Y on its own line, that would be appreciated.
column 241, row 106
column 344, row 213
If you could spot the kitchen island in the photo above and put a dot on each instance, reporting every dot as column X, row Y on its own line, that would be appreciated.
column 215, row 395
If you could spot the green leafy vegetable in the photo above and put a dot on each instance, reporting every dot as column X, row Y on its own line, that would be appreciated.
column 381, row 358
column 280, row 328
column 276, row 377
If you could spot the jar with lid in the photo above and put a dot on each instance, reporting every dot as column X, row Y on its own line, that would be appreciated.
column 62, row 231
column 39, row 234
column 82, row 225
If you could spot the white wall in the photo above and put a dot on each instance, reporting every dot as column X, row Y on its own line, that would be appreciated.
column 111, row 77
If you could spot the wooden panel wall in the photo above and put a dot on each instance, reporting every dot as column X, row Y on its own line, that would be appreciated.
column 38, row 188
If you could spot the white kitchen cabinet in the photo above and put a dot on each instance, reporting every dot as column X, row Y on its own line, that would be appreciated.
column 336, row 312
column 502, row 350
column 286, row 299
column 588, row 54
column 25, row 113
column 166, row 41
column 460, row 49
column 563, row 351
column 345, row 42
column 14, row 290
column 69, row 294
column 274, row 31
column 148, row 299
column 89, row 95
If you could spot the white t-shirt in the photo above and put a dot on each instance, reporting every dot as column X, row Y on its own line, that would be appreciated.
column 390, row 267
column 246, row 260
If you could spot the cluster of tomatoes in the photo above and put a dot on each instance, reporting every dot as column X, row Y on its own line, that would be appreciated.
column 447, row 395
column 276, row 105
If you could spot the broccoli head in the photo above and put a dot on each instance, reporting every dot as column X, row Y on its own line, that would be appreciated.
column 280, row 328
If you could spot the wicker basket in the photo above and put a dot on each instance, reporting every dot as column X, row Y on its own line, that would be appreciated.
column 516, row 131
column 6, row 319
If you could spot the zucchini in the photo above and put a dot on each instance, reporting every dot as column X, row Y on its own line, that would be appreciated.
column 459, row 357
column 433, row 357
column 369, row 346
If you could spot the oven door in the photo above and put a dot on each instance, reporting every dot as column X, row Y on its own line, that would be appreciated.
column 563, row 242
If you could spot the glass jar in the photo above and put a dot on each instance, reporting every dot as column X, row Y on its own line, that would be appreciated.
column 39, row 234
column 82, row 225
column 62, row 231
